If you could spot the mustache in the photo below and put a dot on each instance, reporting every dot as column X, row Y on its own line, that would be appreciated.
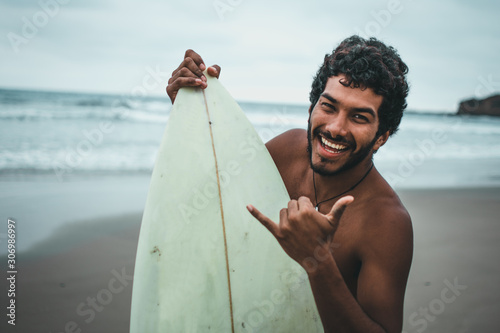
column 337, row 139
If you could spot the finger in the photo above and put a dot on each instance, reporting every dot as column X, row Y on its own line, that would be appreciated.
column 214, row 70
column 289, row 215
column 293, row 205
column 196, row 58
column 188, row 66
column 266, row 222
column 284, row 219
column 184, row 73
column 173, row 87
column 305, row 202
column 338, row 209
column 185, row 82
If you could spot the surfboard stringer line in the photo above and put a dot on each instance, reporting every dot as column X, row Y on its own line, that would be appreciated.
column 222, row 213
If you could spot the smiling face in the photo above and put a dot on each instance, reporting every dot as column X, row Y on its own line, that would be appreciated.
column 342, row 130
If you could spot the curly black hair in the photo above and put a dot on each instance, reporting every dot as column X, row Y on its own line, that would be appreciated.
column 368, row 63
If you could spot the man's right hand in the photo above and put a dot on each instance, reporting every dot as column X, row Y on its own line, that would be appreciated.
column 190, row 74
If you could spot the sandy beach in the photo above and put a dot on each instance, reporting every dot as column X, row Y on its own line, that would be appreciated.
column 456, row 242
column 79, row 279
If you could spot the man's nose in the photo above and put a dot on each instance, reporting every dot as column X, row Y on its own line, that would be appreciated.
column 338, row 125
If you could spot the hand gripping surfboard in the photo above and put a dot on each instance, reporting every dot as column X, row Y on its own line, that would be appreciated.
column 204, row 264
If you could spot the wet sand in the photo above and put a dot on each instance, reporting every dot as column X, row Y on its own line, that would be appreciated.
column 80, row 277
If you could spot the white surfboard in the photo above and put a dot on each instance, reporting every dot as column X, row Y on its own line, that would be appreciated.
column 203, row 262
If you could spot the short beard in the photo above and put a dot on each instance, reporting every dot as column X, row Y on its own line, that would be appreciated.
column 354, row 159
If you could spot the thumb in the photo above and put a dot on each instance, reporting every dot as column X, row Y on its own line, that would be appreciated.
column 214, row 70
column 338, row 208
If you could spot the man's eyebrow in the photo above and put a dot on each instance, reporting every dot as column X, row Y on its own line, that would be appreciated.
column 328, row 97
column 365, row 110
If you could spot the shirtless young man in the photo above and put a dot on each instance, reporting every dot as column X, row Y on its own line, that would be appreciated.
column 357, row 250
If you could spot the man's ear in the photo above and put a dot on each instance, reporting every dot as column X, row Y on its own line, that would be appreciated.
column 381, row 140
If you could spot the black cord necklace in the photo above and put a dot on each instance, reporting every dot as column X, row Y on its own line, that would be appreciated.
column 338, row 195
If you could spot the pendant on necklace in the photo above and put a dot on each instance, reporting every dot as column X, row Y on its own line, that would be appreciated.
column 317, row 208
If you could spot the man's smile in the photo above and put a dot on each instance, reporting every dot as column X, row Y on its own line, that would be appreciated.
column 331, row 147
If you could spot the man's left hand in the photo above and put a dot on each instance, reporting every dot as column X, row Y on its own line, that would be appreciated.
column 303, row 232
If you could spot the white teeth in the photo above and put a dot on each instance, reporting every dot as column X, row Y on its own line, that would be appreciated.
column 332, row 145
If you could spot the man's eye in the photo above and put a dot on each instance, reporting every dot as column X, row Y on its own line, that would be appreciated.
column 328, row 105
column 360, row 117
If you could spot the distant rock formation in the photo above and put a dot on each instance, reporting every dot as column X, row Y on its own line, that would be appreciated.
column 489, row 106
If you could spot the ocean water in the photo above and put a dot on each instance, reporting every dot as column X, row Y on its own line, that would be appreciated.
column 65, row 136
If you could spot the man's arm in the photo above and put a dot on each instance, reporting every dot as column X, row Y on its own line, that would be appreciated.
column 385, row 254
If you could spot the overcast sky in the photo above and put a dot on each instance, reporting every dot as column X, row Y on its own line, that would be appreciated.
column 268, row 50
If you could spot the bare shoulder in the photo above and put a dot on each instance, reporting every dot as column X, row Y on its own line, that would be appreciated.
column 388, row 209
column 287, row 142
column 388, row 225
column 288, row 147
column 289, row 152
